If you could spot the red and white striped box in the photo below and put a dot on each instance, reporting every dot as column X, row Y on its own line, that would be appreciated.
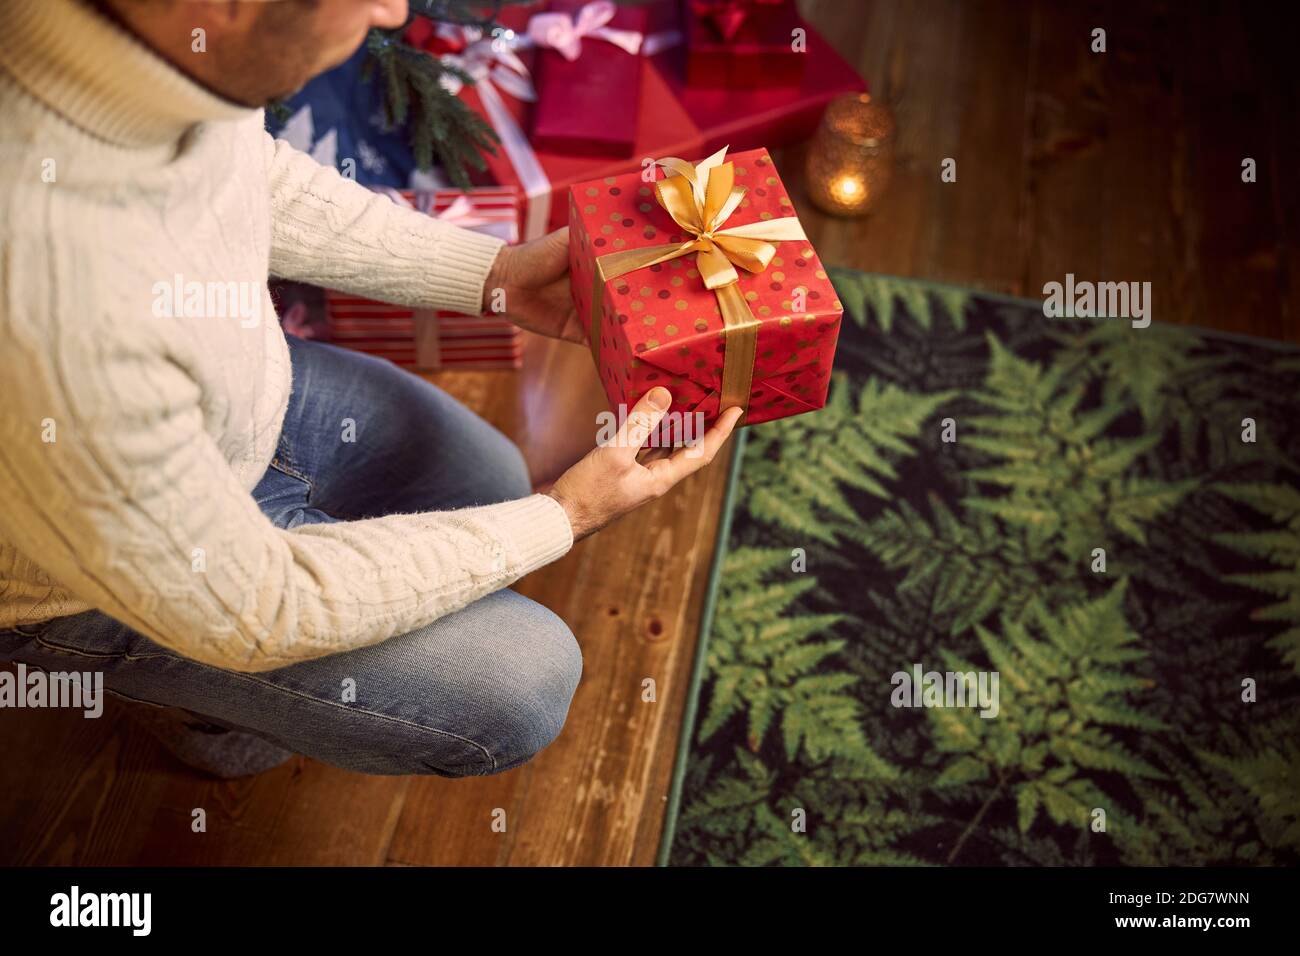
column 428, row 340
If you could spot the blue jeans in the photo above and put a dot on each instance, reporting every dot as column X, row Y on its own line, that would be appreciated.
column 476, row 692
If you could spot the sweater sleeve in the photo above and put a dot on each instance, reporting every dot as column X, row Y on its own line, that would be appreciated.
column 330, row 231
column 111, row 483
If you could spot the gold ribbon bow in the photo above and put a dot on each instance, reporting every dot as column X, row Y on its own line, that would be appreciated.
column 700, row 198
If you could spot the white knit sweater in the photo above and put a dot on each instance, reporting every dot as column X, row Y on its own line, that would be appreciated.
column 130, row 442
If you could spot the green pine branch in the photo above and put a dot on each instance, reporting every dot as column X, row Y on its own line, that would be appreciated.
column 441, row 127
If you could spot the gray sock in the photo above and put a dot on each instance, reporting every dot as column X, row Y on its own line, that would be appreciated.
column 207, row 746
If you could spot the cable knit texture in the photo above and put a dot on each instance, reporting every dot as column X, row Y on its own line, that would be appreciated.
column 130, row 439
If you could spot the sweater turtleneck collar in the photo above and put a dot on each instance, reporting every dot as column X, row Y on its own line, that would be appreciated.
column 100, row 78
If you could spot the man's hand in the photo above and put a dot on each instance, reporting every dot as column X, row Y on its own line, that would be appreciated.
column 610, row 481
column 531, row 283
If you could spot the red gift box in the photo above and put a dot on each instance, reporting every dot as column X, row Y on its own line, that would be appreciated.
column 501, row 69
column 430, row 340
column 674, row 120
column 742, row 44
column 588, row 72
column 771, row 117
column 722, row 300
column 663, row 127
column 421, row 340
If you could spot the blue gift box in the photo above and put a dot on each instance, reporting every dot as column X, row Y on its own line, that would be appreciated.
column 338, row 119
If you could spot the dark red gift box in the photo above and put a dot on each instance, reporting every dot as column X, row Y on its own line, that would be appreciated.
column 589, row 105
column 660, row 324
column 743, row 44
column 770, row 116
column 675, row 119
column 543, row 176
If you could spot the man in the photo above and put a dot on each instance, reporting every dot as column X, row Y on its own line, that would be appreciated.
column 306, row 546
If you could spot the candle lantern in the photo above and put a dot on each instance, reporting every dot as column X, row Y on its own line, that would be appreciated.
column 851, row 158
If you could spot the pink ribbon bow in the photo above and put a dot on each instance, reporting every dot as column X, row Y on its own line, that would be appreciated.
column 564, row 34
column 461, row 212
column 490, row 59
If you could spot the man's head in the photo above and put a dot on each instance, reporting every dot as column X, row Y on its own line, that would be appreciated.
column 252, row 51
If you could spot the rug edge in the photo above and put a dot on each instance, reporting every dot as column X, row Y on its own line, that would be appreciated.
column 1204, row 331
column 701, row 650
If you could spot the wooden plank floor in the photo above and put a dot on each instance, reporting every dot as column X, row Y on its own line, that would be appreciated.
column 1116, row 166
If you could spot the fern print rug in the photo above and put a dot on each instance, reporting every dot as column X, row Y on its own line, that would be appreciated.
column 1105, row 517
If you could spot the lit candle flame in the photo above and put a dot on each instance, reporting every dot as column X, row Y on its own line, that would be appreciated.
column 848, row 189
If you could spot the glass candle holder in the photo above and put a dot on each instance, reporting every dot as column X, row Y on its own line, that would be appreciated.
column 851, row 159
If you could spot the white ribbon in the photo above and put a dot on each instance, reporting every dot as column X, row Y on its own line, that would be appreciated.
column 564, row 34
column 492, row 63
column 658, row 42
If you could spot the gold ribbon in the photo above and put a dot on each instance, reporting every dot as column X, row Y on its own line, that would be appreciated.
column 700, row 198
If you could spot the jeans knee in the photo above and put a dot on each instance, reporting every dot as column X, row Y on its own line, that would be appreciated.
column 475, row 693
column 527, row 708
column 509, row 479
column 535, row 693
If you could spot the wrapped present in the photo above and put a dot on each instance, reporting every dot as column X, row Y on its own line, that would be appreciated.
column 430, row 340
column 663, row 128
column 588, row 70
column 420, row 340
column 743, row 44
column 336, row 118
column 703, row 281
column 771, row 116
column 501, row 91
column 301, row 308
column 504, row 94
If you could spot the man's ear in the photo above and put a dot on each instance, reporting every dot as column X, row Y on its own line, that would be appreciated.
column 222, row 17
column 388, row 14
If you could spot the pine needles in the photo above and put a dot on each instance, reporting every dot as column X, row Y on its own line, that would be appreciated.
column 442, row 130
column 441, row 127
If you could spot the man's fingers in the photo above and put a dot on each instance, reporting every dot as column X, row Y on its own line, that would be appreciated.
column 557, row 249
column 641, row 422
column 687, row 460
column 574, row 331
column 540, row 261
column 657, row 453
